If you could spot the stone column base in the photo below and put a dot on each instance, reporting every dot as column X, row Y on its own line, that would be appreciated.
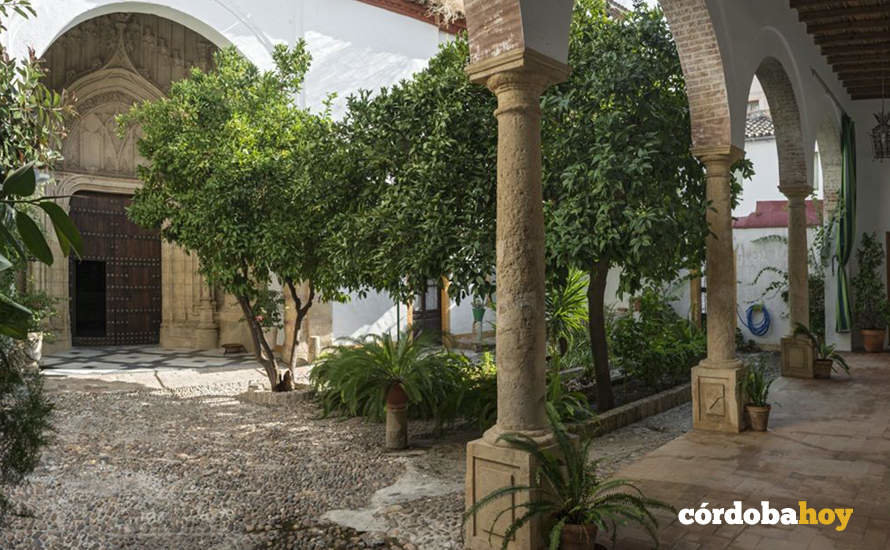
column 717, row 398
column 490, row 467
column 797, row 357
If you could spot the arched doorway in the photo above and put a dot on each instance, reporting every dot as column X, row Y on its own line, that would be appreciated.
column 142, row 290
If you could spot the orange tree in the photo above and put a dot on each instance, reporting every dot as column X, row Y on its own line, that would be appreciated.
column 622, row 188
column 245, row 179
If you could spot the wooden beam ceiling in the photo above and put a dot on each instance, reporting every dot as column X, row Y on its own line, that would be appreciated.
column 854, row 35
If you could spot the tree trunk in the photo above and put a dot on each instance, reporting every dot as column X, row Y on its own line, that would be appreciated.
column 596, row 326
column 262, row 352
column 302, row 311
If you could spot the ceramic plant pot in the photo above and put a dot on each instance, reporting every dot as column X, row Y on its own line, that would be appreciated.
column 822, row 368
column 578, row 537
column 396, row 418
column 758, row 416
column 873, row 340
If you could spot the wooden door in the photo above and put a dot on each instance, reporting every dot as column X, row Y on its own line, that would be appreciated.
column 128, row 301
column 426, row 315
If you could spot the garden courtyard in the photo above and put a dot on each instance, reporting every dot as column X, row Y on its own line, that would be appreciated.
column 182, row 463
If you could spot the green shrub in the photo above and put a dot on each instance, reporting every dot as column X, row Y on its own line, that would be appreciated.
column 480, row 403
column 25, row 415
column 571, row 406
column 353, row 379
column 871, row 307
column 657, row 346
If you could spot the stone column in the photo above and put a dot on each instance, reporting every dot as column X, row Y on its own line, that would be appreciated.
column 517, row 79
column 207, row 331
column 798, row 286
column 716, row 392
column 797, row 354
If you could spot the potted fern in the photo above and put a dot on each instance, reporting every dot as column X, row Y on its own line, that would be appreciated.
column 827, row 357
column 570, row 495
column 872, row 307
column 756, row 386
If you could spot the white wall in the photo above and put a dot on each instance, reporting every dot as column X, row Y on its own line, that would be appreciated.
column 374, row 314
column 764, row 186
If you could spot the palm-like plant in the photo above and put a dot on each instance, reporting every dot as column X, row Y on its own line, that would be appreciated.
column 568, row 491
column 823, row 350
column 566, row 310
column 355, row 378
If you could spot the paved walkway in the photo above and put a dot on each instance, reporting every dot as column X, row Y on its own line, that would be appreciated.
column 828, row 444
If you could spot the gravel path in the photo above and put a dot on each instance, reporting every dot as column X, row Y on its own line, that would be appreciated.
column 194, row 468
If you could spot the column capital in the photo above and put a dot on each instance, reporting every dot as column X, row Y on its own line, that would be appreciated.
column 522, row 67
column 719, row 153
column 793, row 192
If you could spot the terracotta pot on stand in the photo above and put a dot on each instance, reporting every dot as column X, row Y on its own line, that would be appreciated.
column 578, row 537
column 396, row 417
column 758, row 417
column 873, row 340
column 822, row 368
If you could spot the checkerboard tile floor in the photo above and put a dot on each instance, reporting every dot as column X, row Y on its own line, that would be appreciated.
column 135, row 358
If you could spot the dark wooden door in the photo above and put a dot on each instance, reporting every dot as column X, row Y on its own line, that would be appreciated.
column 427, row 312
column 125, row 307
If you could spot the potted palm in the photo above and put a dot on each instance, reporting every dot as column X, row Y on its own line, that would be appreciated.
column 756, row 386
column 570, row 495
column 826, row 356
column 871, row 305
column 382, row 377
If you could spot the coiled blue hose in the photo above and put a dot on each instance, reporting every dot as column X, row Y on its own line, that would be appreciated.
column 760, row 328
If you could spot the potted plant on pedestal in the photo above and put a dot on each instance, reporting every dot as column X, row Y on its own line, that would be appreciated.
column 826, row 355
column 756, row 387
column 570, row 496
column 42, row 308
column 871, row 305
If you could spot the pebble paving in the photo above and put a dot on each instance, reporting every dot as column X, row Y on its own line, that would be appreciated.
column 196, row 468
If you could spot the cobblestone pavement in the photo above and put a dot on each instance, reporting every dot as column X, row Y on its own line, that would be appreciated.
column 192, row 467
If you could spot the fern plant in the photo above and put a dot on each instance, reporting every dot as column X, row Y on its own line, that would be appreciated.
column 569, row 491
column 353, row 379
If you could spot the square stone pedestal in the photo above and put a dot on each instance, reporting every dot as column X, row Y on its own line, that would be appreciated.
column 490, row 467
column 797, row 357
column 717, row 398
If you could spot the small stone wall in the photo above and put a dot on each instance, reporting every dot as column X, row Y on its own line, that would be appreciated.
column 275, row 399
column 635, row 411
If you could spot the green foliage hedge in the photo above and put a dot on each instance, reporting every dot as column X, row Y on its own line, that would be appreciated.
column 656, row 346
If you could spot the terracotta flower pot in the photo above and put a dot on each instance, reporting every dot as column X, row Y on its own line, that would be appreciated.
column 873, row 340
column 396, row 397
column 578, row 537
column 758, row 416
column 822, row 368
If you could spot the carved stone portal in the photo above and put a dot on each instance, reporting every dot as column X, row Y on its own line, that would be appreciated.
column 109, row 63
